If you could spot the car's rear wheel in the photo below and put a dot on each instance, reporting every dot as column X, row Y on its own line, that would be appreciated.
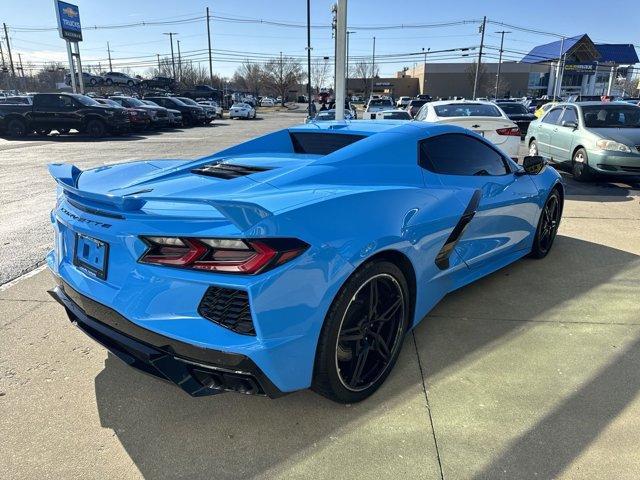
column 580, row 166
column 547, row 225
column 16, row 128
column 93, row 82
column 362, row 334
column 108, row 81
column 96, row 128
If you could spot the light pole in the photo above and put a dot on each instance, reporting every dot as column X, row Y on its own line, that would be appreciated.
column 346, row 71
column 173, row 61
column 502, row 33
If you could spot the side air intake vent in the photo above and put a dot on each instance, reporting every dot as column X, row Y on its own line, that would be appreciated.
column 227, row 171
column 229, row 308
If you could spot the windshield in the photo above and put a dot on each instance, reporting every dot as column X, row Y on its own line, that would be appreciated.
column 84, row 100
column 611, row 116
column 239, row 105
column 135, row 102
column 380, row 103
column 188, row 101
column 149, row 102
column 327, row 115
column 467, row 110
column 396, row 116
column 417, row 103
column 111, row 103
column 513, row 108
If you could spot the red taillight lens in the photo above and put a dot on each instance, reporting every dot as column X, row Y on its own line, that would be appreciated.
column 221, row 254
column 509, row 132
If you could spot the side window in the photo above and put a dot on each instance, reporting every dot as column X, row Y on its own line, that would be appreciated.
column 47, row 101
column 65, row 102
column 569, row 115
column 460, row 154
column 422, row 113
column 553, row 116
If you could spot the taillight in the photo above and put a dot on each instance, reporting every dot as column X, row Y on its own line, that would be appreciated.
column 221, row 254
column 509, row 132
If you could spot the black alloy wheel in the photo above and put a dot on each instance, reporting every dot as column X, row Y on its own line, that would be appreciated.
column 363, row 333
column 16, row 128
column 547, row 225
column 96, row 128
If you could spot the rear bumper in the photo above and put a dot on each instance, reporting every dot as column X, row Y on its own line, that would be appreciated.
column 197, row 371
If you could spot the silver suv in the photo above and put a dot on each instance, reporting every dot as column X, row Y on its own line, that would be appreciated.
column 117, row 78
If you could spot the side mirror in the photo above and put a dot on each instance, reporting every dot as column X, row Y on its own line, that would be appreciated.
column 533, row 165
column 573, row 125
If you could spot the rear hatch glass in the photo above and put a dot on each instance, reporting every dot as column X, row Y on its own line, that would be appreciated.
column 321, row 143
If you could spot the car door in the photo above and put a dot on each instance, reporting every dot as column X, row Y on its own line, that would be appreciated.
column 502, row 209
column 561, row 139
column 68, row 113
column 546, row 129
column 45, row 110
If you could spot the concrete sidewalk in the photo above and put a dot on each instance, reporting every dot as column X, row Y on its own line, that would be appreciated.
column 533, row 372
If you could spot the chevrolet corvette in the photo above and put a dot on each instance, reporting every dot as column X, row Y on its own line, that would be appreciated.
column 299, row 259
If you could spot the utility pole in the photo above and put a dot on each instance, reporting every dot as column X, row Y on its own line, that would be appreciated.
column 6, row 38
column 502, row 33
column 475, row 81
column 611, row 75
column 557, row 88
column 109, row 53
column 209, row 40
column 341, row 50
column 179, row 62
column 373, row 65
column 2, row 57
column 346, row 79
column 173, row 60
column 309, row 58
column 158, row 56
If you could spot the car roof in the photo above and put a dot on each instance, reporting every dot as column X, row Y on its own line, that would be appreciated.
column 453, row 102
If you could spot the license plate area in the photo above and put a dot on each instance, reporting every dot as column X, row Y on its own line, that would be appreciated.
column 91, row 255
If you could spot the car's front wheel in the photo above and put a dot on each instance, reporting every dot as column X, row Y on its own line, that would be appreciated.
column 362, row 334
column 547, row 225
column 580, row 166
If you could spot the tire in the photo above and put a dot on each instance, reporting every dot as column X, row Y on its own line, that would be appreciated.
column 108, row 81
column 16, row 128
column 533, row 148
column 580, row 168
column 349, row 367
column 43, row 132
column 130, row 83
column 547, row 225
column 93, row 82
column 96, row 128
column 63, row 131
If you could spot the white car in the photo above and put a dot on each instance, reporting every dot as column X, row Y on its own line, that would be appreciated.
column 403, row 102
column 483, row 118
column 396, row 114
column 267, row 102
column 377, row 105
column 242, row 110
column 213, row 104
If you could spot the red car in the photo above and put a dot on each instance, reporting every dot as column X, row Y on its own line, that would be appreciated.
column 138, row 117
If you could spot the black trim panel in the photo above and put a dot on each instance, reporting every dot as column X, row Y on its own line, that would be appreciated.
column 442, row 259
column 192, row 368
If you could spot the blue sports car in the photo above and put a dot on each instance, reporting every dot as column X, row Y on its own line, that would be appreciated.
column 297, row 259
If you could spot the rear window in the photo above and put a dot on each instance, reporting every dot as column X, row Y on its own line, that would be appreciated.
column 380, row 103
column 321, row 143
column 467, row 110
column 513, row 108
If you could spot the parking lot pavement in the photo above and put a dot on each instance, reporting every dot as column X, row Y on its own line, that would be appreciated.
column 532, row 372
column 28, row 191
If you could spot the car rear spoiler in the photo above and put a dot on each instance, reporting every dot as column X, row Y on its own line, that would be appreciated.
column 242, row 214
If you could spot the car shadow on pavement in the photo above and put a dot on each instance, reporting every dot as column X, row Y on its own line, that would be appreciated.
column 609, row 190
column 168, row 434
column 85, row 138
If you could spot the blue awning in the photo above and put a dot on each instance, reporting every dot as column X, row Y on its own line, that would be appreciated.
column 551, row 51
column 619, row 53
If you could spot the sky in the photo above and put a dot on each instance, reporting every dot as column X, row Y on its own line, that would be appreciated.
column 613, row 21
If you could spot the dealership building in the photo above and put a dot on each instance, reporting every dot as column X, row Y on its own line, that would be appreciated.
column 577, row 63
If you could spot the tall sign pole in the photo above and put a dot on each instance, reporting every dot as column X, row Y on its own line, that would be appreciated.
column 109, row 54
column 341, row 50
column 373, row 66
column 70, row 30
column 209, row 40
column 309, row 58
column 6, row 38
column 475, row 81
column 173, row 60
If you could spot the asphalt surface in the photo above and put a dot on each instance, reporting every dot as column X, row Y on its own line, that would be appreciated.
column 530, row 373
column 28, row 192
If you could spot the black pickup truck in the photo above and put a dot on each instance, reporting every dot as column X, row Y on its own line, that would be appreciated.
column 62, row 112
column 202, row 92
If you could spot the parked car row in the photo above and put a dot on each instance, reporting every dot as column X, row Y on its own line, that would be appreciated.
column 99, row 116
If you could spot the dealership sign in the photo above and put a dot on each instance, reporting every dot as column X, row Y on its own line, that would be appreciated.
column 68, row 21
column 580, row 67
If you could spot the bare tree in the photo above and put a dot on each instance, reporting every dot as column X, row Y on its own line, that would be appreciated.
column 281, row 74
column 486, row 82
column 249, row 77
column 364, row 72
column 320, row 70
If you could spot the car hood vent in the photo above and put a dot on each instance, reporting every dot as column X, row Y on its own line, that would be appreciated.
column 227, row 171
